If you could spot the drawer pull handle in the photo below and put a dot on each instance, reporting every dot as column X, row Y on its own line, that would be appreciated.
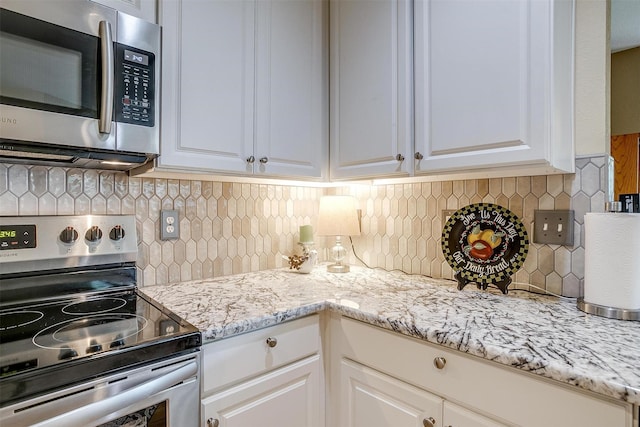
column 272, row 342
column 429, row 422
column 439, row 362
column 213, row 422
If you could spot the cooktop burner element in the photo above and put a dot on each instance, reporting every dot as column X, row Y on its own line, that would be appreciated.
column 95, row 306
column 18, row 319
column 99, row 329
column 70, row 309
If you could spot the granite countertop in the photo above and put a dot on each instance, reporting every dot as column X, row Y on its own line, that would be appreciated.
column 544, row 335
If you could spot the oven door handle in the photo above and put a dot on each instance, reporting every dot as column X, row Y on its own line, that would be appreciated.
column 93, row 413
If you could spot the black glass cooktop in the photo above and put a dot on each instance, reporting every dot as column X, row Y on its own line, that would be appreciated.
column 44, row 343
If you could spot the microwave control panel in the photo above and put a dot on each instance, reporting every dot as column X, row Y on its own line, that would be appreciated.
column 135, row 102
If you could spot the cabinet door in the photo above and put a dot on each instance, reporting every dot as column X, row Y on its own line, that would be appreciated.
column 287, row 397
column 371, row 88
column 144, row 9
column 292, row 88
column 457, row 416
column 494, row 84
column 207, row 84
column 372, row 399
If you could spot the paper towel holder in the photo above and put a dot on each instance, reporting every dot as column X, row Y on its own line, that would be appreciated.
column 610, row 312
column 614, row 208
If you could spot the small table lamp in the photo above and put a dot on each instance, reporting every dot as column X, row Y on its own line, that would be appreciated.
column 338, row 217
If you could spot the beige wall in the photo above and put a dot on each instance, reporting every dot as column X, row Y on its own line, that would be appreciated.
column 625, row 92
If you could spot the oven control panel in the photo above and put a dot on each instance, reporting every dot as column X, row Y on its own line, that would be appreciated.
column 54, row 241
column 18, row 237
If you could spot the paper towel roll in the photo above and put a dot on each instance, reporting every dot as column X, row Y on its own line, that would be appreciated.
column 612, row 260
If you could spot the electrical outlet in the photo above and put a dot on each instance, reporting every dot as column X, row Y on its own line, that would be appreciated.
column 553, row 227
column 169, row 225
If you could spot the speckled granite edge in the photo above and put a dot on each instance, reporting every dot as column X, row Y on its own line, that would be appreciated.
column 532, row 333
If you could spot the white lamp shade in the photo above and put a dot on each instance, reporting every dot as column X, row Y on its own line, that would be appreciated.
column 338, row 216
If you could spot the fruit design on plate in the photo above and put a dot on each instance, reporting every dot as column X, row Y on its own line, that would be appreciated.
column 482, row 242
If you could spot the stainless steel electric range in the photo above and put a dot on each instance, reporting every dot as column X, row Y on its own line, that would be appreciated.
column 79, row 344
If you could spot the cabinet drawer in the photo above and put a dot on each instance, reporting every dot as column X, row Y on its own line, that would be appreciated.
column 234, row 359
column 486, row 387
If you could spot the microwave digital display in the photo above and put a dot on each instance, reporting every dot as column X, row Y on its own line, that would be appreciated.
column 139, row 58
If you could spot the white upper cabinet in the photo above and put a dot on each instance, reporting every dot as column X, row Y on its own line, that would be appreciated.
column 371, row 88
column 494, row 85
column 144, row 9
column 292, row 88
column 244, row 87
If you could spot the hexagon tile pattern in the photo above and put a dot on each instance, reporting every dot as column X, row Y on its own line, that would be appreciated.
column 228, row 228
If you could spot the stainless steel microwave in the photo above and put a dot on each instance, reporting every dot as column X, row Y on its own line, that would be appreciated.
column 79, row 85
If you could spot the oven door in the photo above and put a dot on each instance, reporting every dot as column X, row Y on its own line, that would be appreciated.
column 56, row 72
column 163, row 394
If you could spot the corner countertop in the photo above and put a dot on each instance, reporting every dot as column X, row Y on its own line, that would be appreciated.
column 543, row 335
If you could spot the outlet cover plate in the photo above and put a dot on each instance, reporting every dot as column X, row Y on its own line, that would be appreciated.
column 553, row 227
column 169, row 225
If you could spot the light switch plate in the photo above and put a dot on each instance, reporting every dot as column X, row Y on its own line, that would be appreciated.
column 169, row 225
column 553, row 227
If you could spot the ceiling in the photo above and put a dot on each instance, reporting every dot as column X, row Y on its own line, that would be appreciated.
column 625, row 24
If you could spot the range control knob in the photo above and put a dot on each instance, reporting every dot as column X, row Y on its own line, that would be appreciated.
column 94, row 347
column 117, row 342
column 116, row 233
column 67, row 353
column 68, row 235
column 93, row 234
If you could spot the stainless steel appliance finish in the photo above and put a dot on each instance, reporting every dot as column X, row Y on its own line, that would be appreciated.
column 79, row 85
column 80, row 345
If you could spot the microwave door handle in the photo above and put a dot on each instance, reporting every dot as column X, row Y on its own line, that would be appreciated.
column 92, row 413
column 106, row 97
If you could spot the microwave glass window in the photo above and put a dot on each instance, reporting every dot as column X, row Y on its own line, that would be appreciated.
column 47, row 67
column 40, row 72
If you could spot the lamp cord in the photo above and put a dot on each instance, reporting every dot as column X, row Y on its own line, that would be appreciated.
column 353, row 248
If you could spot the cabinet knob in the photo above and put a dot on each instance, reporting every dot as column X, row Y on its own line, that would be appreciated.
column 251, row 159
column 429, row 422
column 400, row 158
column 272, row 341
column 264, row 160
column 418, row 156
column 439, row 362
column 213, row 422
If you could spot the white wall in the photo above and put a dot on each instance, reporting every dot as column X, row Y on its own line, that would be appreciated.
column 593, row 61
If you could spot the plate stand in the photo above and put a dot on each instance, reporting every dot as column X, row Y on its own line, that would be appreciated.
column 502, row 284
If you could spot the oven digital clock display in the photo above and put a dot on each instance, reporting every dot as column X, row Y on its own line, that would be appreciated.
column 17, row 237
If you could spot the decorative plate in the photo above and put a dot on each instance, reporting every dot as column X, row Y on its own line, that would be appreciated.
column 486, row 244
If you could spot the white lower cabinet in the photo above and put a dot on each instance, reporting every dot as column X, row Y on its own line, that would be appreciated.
column 381, row 378
column 457, row 416
column 276, row 376
column 372, row 399
column 284, row 397
column 268, row 378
